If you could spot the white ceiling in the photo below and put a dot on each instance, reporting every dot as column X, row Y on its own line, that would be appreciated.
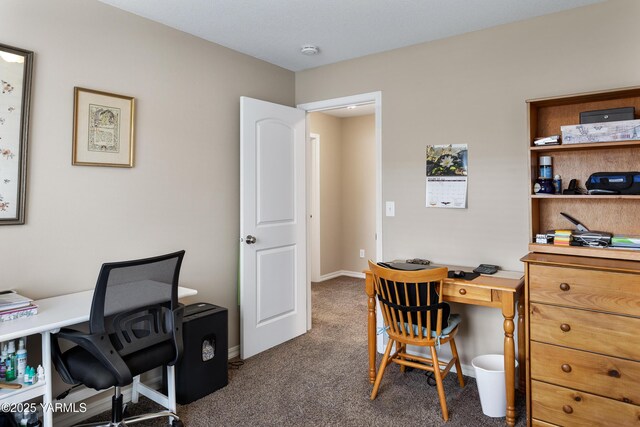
column 275, row 30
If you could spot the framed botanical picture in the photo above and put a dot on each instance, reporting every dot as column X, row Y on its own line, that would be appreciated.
column 15, row 91
column 102, row 128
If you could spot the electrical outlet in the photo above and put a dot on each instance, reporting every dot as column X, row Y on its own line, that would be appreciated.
column 361, row 253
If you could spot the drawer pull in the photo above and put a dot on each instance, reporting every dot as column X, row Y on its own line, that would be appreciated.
column 463, row 291
column 566, row 368
column 567, row 409
column 565, row 327
column 564, row 287
column 613, row 373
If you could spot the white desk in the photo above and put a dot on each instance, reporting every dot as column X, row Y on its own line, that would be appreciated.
column 55, row 313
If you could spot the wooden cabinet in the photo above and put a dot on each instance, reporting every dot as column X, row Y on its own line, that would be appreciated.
column 583, row 345
column 583, row 304
column 612, row 213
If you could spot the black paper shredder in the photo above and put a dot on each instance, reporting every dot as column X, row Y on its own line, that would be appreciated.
column 203, row 367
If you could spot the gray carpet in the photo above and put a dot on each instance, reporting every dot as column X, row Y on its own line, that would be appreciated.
column 320, row 379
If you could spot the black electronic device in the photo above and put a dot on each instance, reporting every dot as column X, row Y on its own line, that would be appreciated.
column 419, row 261
column 573, row 188
column 405, row 266
column 608, row 115
column 203, row 367
column 486, row 269
column 458, row 274
column 614, row 183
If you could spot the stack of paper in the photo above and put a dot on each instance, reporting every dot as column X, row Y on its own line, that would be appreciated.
column 562, row 237
column 547, row 140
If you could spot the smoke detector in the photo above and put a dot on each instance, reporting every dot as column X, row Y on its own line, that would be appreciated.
column 309, row 50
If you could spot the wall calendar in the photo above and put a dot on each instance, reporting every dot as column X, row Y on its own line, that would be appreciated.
column 447, row 176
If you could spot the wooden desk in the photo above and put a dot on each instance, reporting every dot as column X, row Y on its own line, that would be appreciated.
column 55, row 313
column 500, row 291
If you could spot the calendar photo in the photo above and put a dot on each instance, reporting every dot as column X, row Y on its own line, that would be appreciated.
column 447, row 176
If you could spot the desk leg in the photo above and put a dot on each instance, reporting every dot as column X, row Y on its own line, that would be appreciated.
column 371, row 325
column 47, row 398
column 508, row 308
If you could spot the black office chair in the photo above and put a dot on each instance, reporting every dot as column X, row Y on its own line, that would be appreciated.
column 135, row 326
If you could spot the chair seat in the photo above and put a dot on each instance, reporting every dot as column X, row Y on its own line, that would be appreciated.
column 88, row 370
column 454, row 321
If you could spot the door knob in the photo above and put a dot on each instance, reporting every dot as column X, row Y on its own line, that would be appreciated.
column 250, row 239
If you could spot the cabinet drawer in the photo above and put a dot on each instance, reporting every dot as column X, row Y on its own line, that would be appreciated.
column 594, row 373
column 586, row 330
column 466, row 292
column 591, row 289
column 563, row 406
column 538, row 423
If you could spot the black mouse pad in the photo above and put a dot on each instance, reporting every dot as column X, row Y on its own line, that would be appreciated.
column 468, row 275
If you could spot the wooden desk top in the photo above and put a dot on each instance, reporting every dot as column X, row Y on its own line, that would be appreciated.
column 503, row 280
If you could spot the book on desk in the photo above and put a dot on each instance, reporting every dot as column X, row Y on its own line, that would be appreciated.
column 15, row 306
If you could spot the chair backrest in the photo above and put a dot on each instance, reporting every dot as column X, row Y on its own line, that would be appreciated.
column 136, row 300
column 411, row 302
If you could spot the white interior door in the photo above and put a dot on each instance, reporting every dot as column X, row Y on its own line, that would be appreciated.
column 273, row 277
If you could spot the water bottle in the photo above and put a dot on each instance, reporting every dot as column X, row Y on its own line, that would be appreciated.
column 21, row 359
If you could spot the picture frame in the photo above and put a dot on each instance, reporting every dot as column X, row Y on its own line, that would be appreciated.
column 16, row 68
column 103, row 129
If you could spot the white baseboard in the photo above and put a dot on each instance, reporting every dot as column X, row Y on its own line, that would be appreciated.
column 101, row 401
column 355, row 274
column 234, row 352
column 467, row 370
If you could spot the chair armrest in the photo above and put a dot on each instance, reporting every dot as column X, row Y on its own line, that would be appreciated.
column 58, row 362
column 100, row 346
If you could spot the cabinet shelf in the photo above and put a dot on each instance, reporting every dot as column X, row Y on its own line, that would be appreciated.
column 626, row 254
column 585, row 146
column 27, row 392
column 585, row 196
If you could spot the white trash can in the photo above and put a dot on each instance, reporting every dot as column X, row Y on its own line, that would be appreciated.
column 491, row 384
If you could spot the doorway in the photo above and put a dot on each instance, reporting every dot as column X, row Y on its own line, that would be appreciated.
column 356, row 184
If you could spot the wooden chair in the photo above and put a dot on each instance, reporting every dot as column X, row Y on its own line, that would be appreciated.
column 412, row 309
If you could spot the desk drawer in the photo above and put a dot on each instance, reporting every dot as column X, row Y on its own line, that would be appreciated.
column 563, row 406
column 591, row 289
column 467, row 292
column 594, row 373
column 586, row 330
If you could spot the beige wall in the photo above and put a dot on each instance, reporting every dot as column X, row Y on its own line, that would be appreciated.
column 472, row 89
column 183, row 192
column 347, row 191
column 358, row 191
column 329, row 128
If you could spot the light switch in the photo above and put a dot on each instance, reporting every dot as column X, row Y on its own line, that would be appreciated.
column 391, row 208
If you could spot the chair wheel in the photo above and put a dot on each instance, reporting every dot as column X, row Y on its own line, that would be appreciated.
column 177, row 423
